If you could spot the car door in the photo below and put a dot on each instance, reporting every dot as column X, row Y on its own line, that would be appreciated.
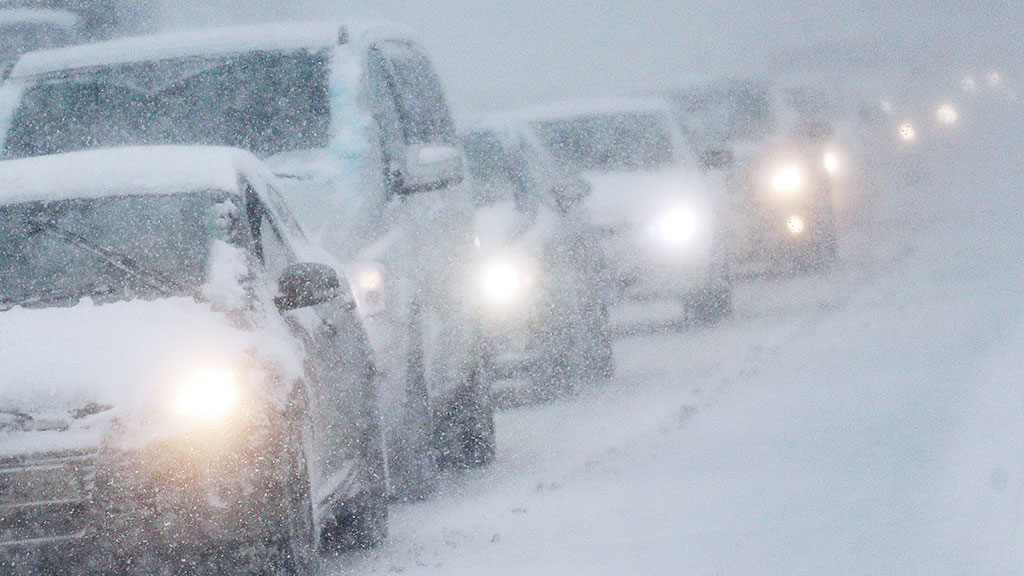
column 338, row 373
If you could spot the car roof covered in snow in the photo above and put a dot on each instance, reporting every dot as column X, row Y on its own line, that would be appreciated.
column 16, row 16
column 205, row 42
column 580, row 108
column 121, row 171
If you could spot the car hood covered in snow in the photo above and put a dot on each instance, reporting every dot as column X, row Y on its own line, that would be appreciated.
column 636, row 198
column 120, row 357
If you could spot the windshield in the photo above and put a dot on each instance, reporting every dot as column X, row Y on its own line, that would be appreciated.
column 264, row 102
column 716, row 115
column 608, row 142
column 16, row 39
column 107, row 249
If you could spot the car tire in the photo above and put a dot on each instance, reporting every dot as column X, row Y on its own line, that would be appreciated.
column 466, row 436
column 359, row 526
column 711, row 306
column 293, row 548
column 599, row 355
column 413, row 470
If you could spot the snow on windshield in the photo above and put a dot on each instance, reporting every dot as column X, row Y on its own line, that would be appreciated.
column 107, row 249
column 263, row 102
column 608, row 142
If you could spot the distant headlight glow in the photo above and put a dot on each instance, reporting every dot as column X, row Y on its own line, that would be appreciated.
column 788, row 179
column 208, row 396
column 994, row 79
column 678, row 226
column 796, row 225
column 907, row 132
column 830, row 161
column 947, row 115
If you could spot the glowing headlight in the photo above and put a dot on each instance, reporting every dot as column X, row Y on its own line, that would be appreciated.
column 969, row 84
column 208, row 396
column 369, row 279
column 788, row 179
column 830, row 161
column 907, row 132
column 503, row 281
column 678, row 226
column 994, row 79
column 947, row 115
column 796, row 225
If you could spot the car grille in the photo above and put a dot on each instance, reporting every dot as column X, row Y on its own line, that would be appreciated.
column 45, row 499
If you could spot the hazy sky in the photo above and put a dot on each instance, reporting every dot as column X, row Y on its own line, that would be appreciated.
column 501, row 53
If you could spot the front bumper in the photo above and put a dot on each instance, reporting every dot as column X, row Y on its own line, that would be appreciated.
column 88, row 510
column 640, row 267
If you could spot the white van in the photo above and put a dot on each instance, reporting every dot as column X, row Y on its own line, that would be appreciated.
column 659, row 214
column 353, row 121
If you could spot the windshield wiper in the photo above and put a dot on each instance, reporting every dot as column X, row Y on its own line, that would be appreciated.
column 49, row 295
column 122, row 262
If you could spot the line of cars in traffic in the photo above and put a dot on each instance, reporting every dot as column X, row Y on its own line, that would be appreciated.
column 254, row 283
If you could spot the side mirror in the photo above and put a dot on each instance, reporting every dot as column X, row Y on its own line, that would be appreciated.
column 431, row 167
column 569, row 193
column 717, row 158
column 306, row 284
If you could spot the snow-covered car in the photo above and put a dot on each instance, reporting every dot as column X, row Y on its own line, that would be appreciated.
column 543, row 312
column 183, row 383
column 780, row 155
column 353, row 120
column 658, row 213
column 24, row 30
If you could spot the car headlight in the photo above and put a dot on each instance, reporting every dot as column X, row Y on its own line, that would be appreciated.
column 208, row 396
column 678, row 226
column 503, row 281
column 788, row 179
column 369, row 279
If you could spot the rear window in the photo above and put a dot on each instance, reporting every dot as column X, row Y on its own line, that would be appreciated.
column 264, row 102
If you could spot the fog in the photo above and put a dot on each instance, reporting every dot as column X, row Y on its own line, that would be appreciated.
column 497, row 54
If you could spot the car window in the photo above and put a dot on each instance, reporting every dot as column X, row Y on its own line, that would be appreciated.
column 418, row 96
column 271, row 249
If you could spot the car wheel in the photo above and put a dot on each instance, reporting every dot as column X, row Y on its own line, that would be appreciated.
column 361, row 526
column 466, row 436
column 294, row 551
column 600, row 356
column 711, row 305
column 413, row 470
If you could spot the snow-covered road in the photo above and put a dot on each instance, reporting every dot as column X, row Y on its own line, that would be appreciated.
column 868, row 422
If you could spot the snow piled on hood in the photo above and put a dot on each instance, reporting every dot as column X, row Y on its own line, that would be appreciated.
column 639, row 197
column 122, row 354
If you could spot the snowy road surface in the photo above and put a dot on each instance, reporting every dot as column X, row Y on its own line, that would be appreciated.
column 868, row 422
